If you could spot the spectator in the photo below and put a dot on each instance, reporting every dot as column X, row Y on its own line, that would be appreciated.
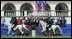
column 63, row 21
column 36, row 20
column 27, row 22
column 58, row 21
column 23, row 20
column 32, row 22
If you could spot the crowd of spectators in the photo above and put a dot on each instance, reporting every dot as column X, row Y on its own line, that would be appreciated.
column 35, row 20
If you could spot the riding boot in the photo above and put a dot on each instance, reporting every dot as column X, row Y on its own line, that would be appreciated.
column 7, row 35
column 22, row 34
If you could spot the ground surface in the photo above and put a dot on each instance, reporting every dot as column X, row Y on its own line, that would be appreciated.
column 2, row 36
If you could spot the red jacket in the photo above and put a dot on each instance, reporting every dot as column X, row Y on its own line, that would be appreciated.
column 18, row 21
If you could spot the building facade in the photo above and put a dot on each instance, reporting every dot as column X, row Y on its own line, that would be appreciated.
column 28, row 8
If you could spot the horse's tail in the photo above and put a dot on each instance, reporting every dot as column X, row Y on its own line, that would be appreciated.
column 59, row 29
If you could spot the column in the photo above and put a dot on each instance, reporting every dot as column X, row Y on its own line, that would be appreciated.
column 17, row 13
column 2, row 13
column 69, row 13
column 25, row 13
column 53, row 13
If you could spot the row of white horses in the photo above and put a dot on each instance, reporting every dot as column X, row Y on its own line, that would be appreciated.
column 42, row 23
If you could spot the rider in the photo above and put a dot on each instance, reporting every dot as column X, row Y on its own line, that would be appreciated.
column 19, row 21
column 50, row 21
column 13, row 21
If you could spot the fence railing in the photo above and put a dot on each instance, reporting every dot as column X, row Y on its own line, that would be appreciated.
column 35, row 13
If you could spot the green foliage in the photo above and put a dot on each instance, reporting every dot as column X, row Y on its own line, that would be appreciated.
column 33, row 28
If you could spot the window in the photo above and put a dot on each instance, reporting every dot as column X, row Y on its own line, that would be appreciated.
column 9, row 9
column 61, row 10
column 26, row 7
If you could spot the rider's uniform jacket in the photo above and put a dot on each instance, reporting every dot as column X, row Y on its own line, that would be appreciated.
column 19, row 21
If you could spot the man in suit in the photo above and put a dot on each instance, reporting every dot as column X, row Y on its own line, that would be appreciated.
column 63, row 21
column 36, row 20
column 58, row 21
column 32, row 22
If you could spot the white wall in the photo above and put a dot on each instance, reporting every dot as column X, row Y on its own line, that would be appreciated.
column 68, row 20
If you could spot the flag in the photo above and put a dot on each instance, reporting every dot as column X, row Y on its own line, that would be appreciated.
column 38, row 5
column 43, row 5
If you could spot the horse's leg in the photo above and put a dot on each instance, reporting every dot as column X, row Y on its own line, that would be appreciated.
column 20, row 29
column 53, row 32
column 43, row 29
column 12, row 34
column 9, row 30
column 24, row 26
column 47, row 31
column 59, row 29
column 15, row 28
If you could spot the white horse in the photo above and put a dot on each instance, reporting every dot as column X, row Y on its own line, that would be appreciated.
column 10, row 26
column 20, row 28
column 54, row 27
column 43, row 24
